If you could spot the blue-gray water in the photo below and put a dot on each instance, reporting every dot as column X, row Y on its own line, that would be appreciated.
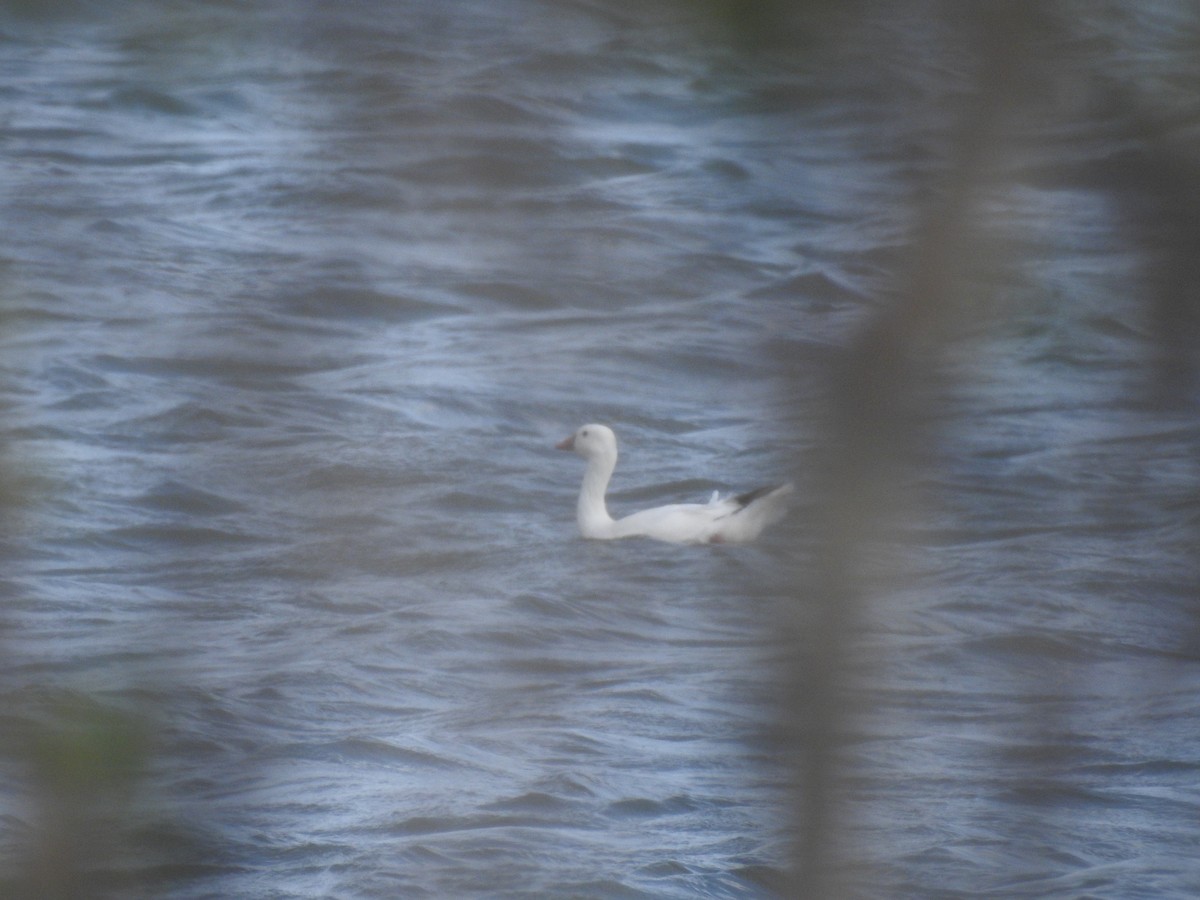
column 297, row 299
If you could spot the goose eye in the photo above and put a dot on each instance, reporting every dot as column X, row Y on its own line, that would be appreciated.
column 583, row 433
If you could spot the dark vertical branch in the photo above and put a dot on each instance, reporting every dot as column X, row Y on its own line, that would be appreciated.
column 880, row 419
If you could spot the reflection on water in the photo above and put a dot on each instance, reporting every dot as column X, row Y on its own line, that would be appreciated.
column 299, row 302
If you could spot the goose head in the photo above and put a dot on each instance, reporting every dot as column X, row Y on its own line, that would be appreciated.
column 591, row 442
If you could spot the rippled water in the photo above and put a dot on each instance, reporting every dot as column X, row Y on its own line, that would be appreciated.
column 298, row 298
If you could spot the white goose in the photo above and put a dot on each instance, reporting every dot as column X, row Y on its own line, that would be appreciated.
column 732, row 520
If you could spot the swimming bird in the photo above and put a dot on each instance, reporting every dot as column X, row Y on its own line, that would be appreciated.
column 732, row 520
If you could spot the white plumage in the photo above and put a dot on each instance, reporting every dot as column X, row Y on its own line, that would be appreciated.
column 732, row 520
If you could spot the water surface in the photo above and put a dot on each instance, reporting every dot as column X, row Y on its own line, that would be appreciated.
column 298, row 299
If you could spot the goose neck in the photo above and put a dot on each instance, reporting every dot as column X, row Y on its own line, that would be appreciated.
column 592, row 510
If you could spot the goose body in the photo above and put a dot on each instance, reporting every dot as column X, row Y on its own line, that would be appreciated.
column 731, row 520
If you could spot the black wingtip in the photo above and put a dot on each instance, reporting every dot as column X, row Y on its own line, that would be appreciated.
column 744, row 500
